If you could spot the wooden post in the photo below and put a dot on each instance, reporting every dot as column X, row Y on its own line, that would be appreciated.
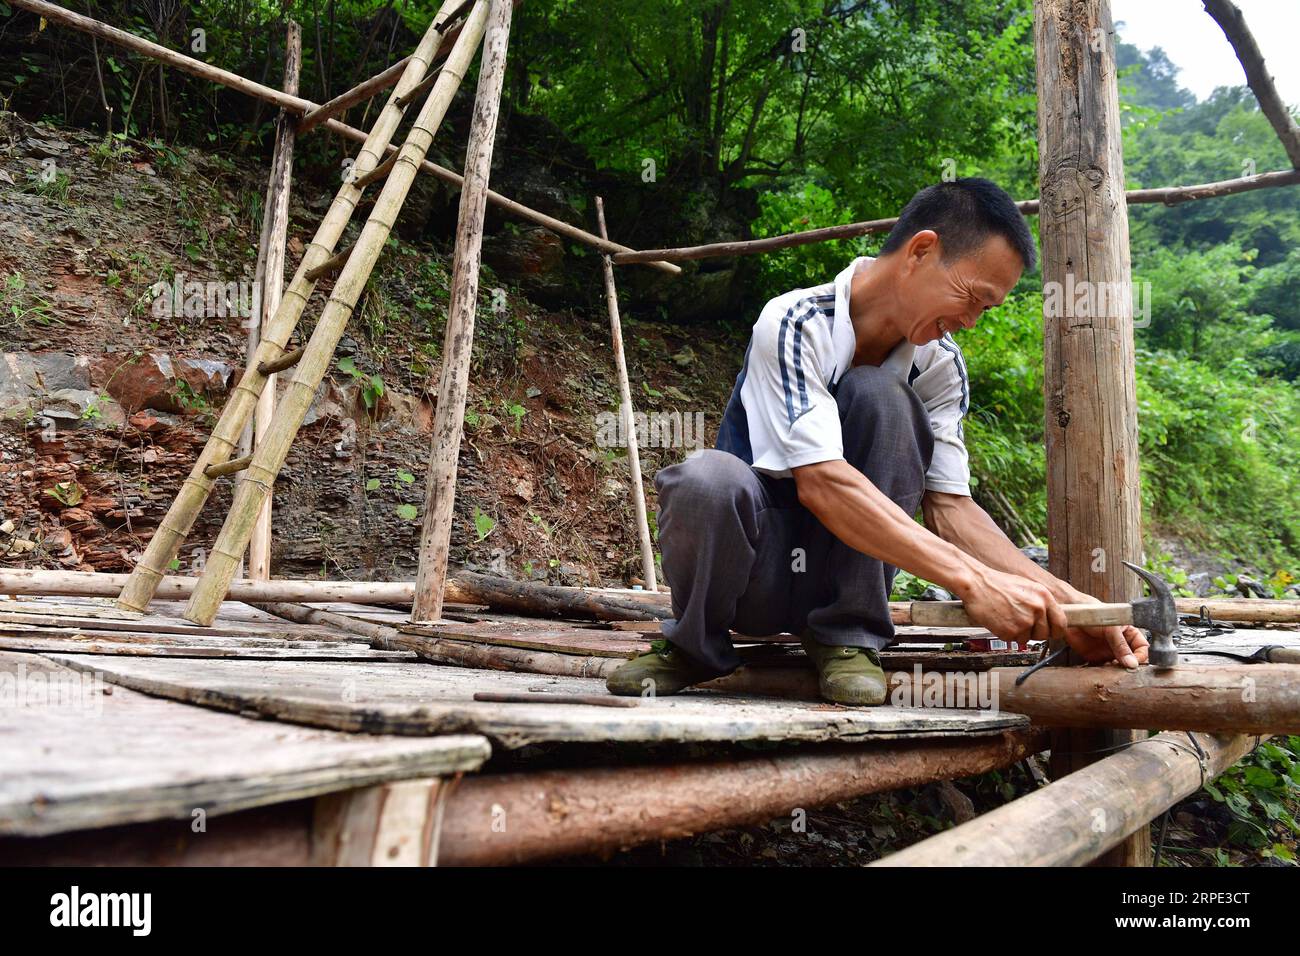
column 268, row 288
column 625, row 412
column 440, row 491
column 1094, row 517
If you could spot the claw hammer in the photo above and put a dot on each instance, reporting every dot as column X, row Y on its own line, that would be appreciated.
column 1156, row 614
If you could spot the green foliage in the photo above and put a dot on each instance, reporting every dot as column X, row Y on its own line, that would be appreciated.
column 483, row 523
column 1261, row 793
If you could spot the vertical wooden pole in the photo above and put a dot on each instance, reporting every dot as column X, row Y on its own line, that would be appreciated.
column 459, row 338
column 1094, row 506
column 269, row 288
column 625, row 412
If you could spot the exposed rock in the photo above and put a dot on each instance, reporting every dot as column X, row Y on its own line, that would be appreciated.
column 1036, row 554
column 156, row 380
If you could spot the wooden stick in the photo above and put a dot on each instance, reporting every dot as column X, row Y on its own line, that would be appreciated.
column 287, row 360
column 1228, row 16
column 358, row 94
column 453, row 385
column 57, row 14
column 223, row 560
column 626, row 413
column 231, row 467
column 1077, row 819
column 336, row 262
column 240, row 406
column 594, row 700
column 272, row 287
column 1167, row 195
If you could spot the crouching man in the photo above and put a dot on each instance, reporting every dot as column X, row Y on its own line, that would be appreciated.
column 845, row 418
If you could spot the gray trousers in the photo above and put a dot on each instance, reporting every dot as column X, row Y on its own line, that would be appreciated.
column 741, row 553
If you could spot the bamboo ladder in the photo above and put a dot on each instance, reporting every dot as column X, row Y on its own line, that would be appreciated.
column 311, row 362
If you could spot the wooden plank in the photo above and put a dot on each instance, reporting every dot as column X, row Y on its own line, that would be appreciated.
column 164, row 626
column 156, row 645
column 393, row 824
column 97, row 758
column 430, row 699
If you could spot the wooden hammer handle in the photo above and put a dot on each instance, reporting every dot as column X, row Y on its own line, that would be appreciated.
column 953, row 614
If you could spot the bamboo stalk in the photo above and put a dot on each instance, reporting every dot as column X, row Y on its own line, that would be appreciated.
column 440, row 489
column 296, row 104
column 223, row 561
column 272, row 284
column 625, row 411
column 1058, row 825
column 275, row 335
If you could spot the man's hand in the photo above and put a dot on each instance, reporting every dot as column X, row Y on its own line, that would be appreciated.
column 1014, row 608
column 1101, row 645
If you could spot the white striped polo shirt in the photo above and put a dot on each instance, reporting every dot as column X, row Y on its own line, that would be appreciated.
column 782, row 413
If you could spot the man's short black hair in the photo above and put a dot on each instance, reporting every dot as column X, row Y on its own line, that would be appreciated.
column 964, row 213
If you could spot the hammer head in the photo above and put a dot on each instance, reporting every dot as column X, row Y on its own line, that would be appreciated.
column 1158, row 615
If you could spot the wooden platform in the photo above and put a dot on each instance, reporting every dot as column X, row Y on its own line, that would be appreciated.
column 78, row 754
column 167, row 720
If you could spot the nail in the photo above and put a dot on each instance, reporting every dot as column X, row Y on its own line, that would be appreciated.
column 1130, row 662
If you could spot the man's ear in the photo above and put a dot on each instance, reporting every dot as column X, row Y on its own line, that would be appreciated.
column 921, row 246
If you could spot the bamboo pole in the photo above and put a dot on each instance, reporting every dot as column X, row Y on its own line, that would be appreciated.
column 175, row 588
column 440, row 489
column 625, row 411
column 180, row 61
column 1078, row 819
column 194, row 491
column 223, row 560
column 271, row 284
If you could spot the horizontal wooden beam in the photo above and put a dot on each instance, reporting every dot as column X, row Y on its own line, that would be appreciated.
column 1167, row 195
column 626, row 806
column 296, row 104
column 1217, row 698
column 1081, row 816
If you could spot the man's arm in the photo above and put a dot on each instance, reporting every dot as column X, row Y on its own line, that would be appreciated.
column 959, row 520
column 853, row 509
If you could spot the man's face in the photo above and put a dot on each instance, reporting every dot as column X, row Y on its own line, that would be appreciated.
column 939, row 297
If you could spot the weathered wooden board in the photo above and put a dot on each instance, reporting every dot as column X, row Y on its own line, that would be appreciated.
column 157, row 625
column 94, row 755
column 74, row 641
column 431, row 699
